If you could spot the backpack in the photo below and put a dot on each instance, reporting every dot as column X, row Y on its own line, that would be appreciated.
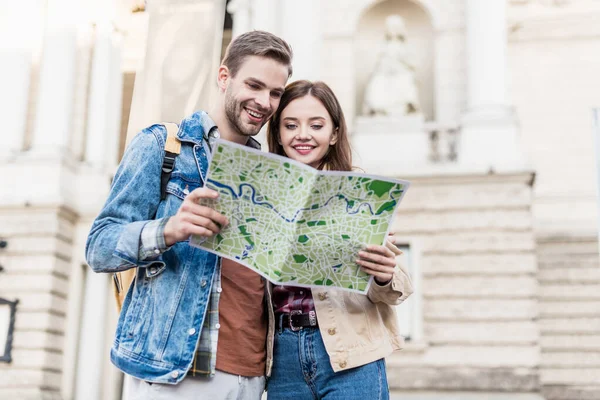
column 123, row 280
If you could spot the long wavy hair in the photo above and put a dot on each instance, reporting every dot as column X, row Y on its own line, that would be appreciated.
column 339, row 156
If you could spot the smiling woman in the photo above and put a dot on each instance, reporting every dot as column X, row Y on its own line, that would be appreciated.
column 309, row 127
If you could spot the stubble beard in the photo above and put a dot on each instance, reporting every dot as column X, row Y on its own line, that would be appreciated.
column 233, row 113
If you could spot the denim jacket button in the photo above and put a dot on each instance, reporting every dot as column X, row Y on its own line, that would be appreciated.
column 192, row 331
column 174, row 374
column 203, row 283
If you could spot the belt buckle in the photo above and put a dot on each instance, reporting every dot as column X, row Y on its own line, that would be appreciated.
column 312, row 318
column 292, row 327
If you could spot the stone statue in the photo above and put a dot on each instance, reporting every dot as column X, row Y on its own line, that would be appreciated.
column 391, row 90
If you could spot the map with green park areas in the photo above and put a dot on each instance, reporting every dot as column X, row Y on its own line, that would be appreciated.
column 293, row 224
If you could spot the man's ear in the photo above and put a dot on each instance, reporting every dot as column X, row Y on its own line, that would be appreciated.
column 223, row 76
column 334, row 137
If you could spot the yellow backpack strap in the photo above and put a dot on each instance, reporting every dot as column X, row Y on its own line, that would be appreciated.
column 172, row 145
column 123, row 280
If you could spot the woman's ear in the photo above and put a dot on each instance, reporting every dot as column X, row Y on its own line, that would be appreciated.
column 334, row 137
column 223, row 77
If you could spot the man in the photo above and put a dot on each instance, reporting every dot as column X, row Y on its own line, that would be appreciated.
column 192, row 325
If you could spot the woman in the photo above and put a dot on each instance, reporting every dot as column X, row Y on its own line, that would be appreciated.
column 331, row 344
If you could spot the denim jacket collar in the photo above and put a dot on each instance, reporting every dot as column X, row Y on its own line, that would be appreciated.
column 200, row 125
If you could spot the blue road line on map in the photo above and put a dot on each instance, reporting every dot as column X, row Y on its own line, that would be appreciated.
column 238, row 195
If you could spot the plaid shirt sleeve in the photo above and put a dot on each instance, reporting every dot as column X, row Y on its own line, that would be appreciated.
column 152, row 244
column 152, row 240
column 205, row 359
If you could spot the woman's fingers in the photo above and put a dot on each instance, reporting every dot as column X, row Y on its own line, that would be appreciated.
column 379, row 255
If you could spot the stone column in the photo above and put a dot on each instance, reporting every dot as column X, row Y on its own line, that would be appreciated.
column 486, row 44
column 183, row 51
column 91, row 347
column 104, row 102
column 489, row 128
column 300, row 27
column 18, row 22
column 54, row 109
column 263, row 14
column 241, row 13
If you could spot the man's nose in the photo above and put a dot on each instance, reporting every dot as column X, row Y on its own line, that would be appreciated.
column 262, row 99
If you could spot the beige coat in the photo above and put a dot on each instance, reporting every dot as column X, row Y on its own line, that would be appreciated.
column 357, row 329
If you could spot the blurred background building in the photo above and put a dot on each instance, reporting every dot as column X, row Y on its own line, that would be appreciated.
column 484, row 105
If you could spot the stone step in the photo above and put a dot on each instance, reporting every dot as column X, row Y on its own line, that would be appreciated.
column 16, row 284
column 552, row 309
column 34, row 221
column 571, row 392
column 455, row 310
column 571, row 326
column 481, row 287
column 490, row 264
column 478, row 242
column 482, row 333
column 484, row 356
column 464, row 220
column 562, row 359
column 580, row 343
column 422, row 197
column 569, row 376
column 27, row 263
column 39, row 321
column 570, row 291
column 570, row 275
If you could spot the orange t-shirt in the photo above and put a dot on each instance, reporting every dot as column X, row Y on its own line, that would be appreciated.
column 241, row 349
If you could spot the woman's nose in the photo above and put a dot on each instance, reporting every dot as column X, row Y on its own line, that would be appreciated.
column 303, row 133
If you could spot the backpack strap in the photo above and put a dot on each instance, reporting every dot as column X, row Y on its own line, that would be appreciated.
column 124, row 279
column 172, row 150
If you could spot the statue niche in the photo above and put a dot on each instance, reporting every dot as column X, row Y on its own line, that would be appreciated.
column 392, row 89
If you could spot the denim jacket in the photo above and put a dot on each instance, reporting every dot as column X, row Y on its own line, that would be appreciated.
column 163, row 312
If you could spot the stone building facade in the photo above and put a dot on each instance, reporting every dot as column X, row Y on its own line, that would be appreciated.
column 499, row 225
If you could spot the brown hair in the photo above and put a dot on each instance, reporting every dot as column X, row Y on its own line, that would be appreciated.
column 339, row 156
column 257, row 43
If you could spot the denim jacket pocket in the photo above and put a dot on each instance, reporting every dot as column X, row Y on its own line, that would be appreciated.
column 180, row 185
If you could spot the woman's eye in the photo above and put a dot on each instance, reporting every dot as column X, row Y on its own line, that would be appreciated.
column 317, row 127
column 290, row 126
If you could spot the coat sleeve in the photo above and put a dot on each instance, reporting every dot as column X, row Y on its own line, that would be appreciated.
column 396, row 290
column 114, row 240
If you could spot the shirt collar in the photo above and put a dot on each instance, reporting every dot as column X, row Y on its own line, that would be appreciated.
column 211, row 133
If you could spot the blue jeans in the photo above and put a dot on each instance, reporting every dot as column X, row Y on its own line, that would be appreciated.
column 301, row 370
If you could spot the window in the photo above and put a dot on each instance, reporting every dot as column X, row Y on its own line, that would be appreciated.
column 7, row 326
column 409, row 312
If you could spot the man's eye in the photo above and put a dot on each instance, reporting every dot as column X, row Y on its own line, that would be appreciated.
column 253, row 86
column 276, row 95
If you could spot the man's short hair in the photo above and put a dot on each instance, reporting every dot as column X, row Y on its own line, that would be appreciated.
column 257, row 43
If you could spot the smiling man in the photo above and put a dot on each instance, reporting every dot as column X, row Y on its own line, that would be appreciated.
column 192, row 325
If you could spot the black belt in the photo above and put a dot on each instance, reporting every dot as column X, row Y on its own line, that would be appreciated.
column 295, row 320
